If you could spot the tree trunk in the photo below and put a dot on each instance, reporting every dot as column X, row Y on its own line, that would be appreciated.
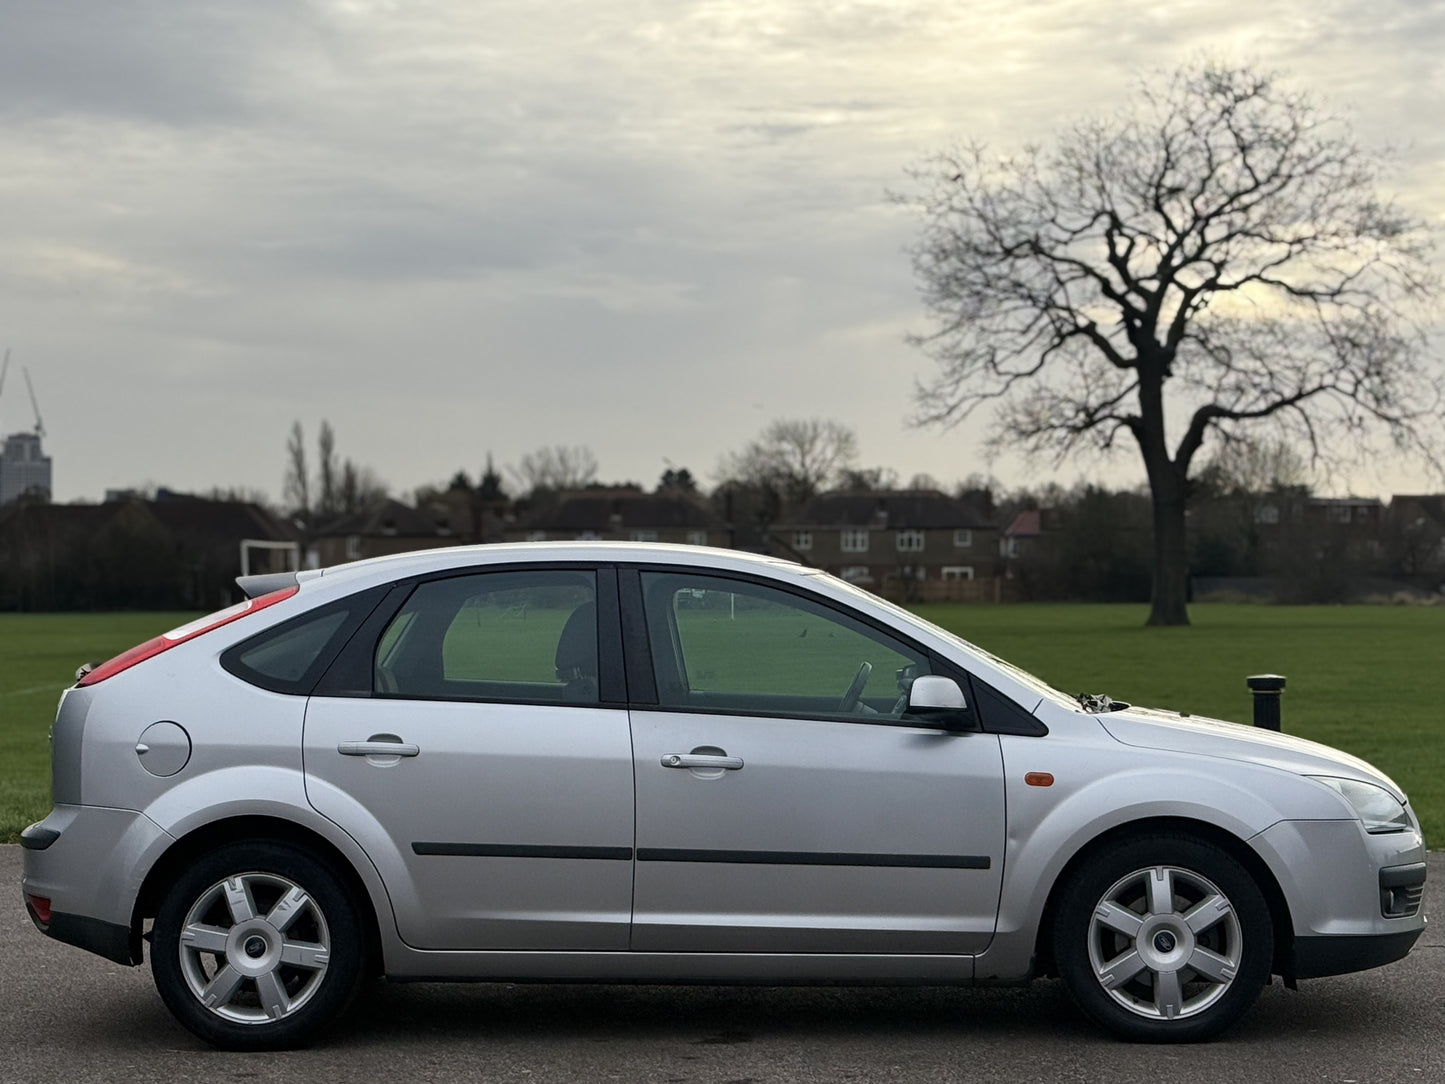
column 1168, row 599
column 1169, row 490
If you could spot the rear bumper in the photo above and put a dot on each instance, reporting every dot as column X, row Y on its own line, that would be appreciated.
column 114, row 942
column 86, row 861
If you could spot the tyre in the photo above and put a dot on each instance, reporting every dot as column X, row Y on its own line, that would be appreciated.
column 257, row 946
column 1163, row 939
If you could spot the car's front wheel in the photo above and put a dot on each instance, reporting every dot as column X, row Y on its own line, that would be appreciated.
column 257, row 946
column 1163, row 939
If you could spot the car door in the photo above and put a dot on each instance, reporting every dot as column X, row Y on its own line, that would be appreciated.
column 785, row 803
column 475, row 755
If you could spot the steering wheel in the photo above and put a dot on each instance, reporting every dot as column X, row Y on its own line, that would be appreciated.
column 855, row 690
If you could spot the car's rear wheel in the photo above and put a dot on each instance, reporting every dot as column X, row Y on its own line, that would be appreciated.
column 257, row 946
column 1163, row 939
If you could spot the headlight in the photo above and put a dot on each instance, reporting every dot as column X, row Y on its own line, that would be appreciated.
column 1377, row 808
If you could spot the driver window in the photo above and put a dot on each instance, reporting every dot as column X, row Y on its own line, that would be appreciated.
column 726, row 645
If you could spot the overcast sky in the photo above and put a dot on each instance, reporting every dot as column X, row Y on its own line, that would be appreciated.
column 455, row 227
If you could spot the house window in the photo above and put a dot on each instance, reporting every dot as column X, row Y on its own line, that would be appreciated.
column 697, row 538
column 536, row 536
column 802, row 540
column 855, row 539
column 962, row 538
column 958, row 572
column 353, row 547
column 643, row 536
column 587, row 536
column 1011, row 547
column 1339, row 513
column 1267, row 513
column 910, row 541
column 856, row 574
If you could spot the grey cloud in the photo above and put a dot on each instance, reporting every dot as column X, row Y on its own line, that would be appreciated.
column 188, row 63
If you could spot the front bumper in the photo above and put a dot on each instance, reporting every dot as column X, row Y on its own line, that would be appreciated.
column 1355, row 899
column 1316, row 957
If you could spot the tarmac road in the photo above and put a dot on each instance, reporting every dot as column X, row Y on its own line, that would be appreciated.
column 72, row 1017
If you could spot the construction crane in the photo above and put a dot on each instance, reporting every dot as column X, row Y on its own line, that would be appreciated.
column 4, row 368
column 39, row 425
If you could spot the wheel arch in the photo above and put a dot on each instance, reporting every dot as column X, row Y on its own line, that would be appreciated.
column 1225, row 840
column 216, row 834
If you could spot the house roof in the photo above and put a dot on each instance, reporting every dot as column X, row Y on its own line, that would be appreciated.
column 66, row 517
column 1027, row 524
column 197, row 517
column 920, row 509
column 608, row 510
column 189, row 520
column 1429, row 505
column 387, row 518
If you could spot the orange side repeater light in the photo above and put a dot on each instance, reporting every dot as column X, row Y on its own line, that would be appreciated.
column 1039, row 779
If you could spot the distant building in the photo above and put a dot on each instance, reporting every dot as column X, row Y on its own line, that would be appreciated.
column 24, row 468
column 382, row 527
column 623, row 515
column 912, row 545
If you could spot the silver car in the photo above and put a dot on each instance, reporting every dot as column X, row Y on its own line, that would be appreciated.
column 643, row 763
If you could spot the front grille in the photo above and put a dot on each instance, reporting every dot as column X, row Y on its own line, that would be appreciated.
column 1402, row 889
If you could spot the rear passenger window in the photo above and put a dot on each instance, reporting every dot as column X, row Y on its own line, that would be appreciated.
column 524, row 636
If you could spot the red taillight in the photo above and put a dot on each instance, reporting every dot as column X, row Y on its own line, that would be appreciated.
column 39, row 907
column 126, row 659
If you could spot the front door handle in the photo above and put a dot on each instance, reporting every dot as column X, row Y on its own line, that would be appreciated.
column 701, row 760
column 377, row 749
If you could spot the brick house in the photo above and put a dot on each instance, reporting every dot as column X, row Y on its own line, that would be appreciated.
column 626, row 515
column 385, row 527
column 910, row 545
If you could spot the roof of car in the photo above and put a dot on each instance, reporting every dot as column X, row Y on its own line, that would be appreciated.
column 419, row 561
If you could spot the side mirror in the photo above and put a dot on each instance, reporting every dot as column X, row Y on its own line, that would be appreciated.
column 940, row 701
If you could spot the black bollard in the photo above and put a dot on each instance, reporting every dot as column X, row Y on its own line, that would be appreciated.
column 1266, row 689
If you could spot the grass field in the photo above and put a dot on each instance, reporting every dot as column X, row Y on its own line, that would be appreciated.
column 1360, row 678
column 38, row 657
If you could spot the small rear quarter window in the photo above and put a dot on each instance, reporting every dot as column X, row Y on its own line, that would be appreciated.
column 291, row 657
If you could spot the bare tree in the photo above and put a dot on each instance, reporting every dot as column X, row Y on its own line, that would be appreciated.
column 296, row 491
column 871, row 479
column 556, row 468
column 357, row 487
column 329, row 500
column 339, row 488
column 1215, row 258
column 1257, row 467
column 797, row 458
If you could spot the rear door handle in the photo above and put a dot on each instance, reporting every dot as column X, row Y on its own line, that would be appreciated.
column 701, row 760
column 377, row 749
